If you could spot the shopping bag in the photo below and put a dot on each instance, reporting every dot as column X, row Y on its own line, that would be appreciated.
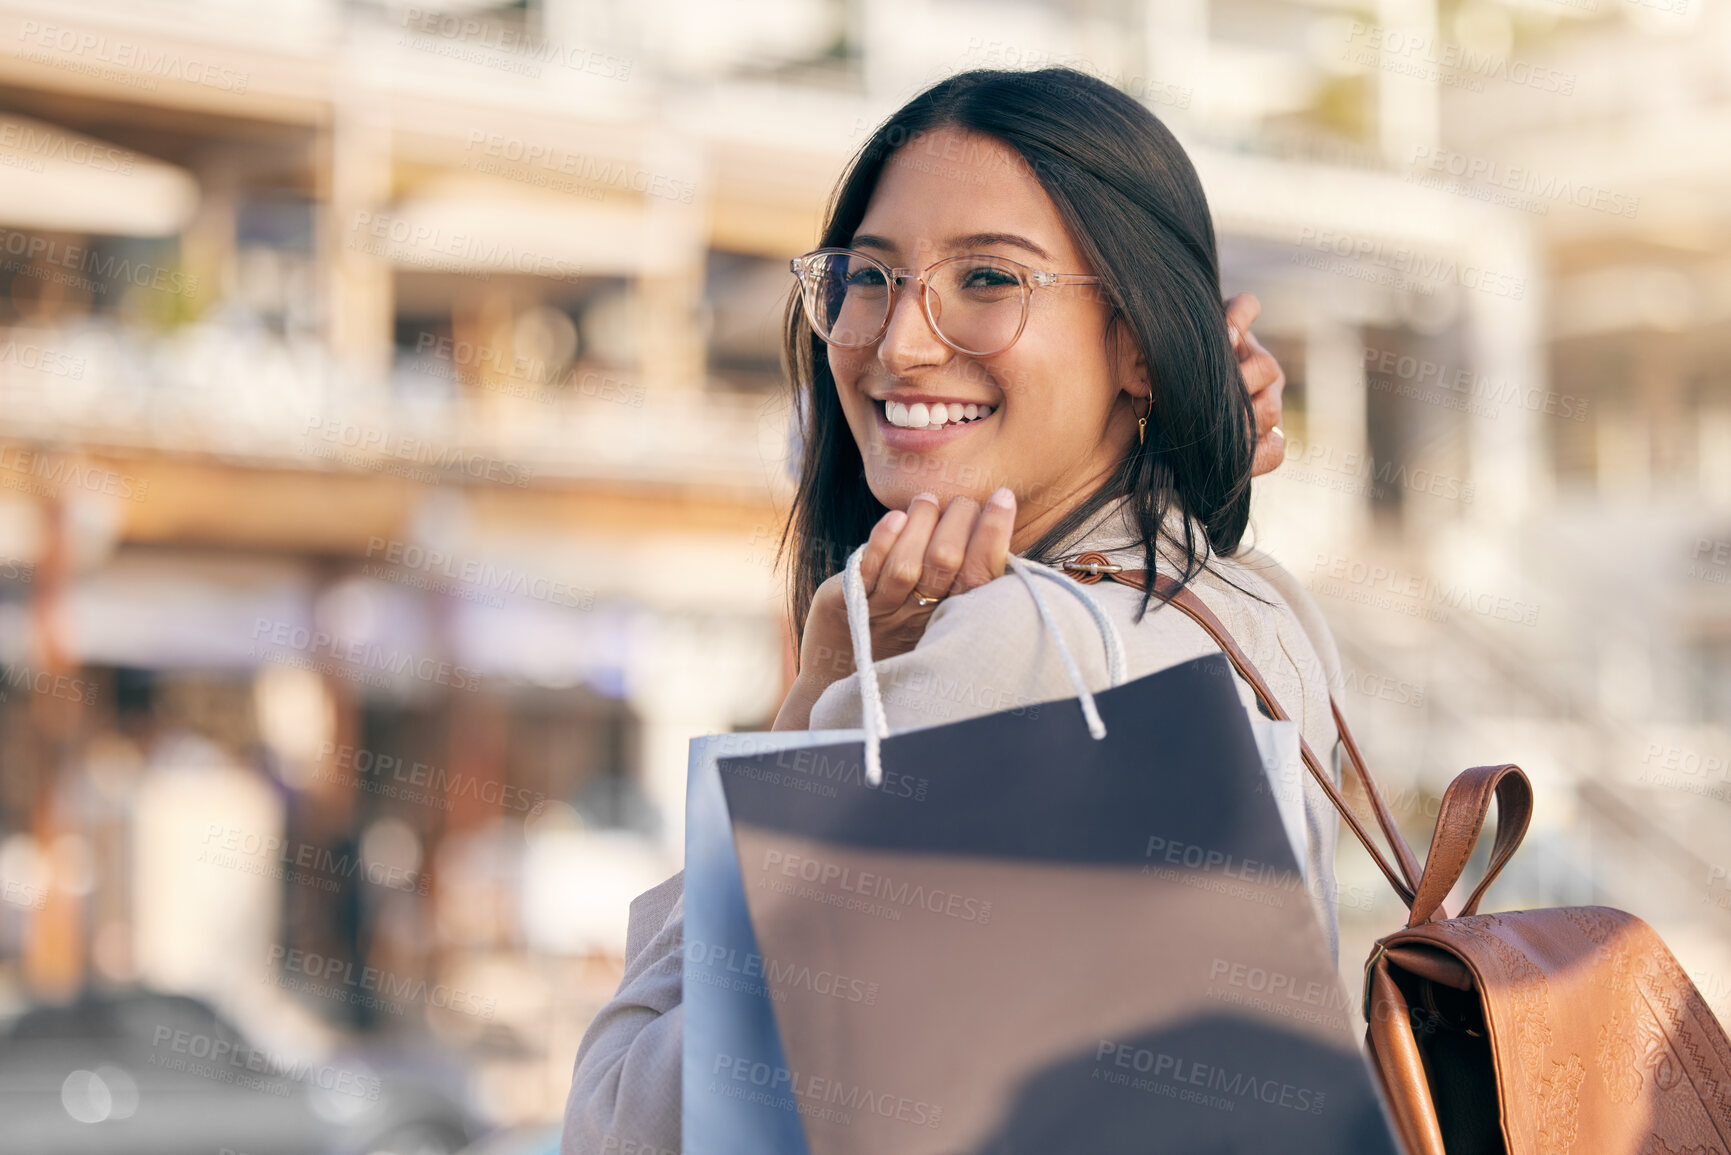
column 729, row 1023
column 1081, row 928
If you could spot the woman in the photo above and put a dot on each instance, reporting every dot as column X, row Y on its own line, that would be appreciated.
column 1064, row 381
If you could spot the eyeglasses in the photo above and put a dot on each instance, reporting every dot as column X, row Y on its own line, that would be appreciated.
column 976, row 304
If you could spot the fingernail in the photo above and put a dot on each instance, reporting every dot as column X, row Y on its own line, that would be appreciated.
column 931, row 497
column 1003, row 497
column 895, row 519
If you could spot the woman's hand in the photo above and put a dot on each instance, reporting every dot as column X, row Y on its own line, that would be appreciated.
column 923, row 551
column 1262, row 378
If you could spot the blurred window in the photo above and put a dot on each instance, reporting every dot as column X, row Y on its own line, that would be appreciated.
column 746, row 298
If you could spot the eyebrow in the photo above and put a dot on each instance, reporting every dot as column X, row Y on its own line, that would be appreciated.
column 967, row 243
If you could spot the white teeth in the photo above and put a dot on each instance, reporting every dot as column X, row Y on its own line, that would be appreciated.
column 931, row 415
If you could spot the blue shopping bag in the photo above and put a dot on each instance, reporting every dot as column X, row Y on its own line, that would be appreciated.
column 729, row 1021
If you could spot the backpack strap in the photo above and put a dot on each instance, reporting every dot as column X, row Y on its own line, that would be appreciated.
column 1404, row 873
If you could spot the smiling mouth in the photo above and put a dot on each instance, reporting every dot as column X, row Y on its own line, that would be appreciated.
column 933, row 415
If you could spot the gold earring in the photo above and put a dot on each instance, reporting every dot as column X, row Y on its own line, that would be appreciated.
column 1142, row 421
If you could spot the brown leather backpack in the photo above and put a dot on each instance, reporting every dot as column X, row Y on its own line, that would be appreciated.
column 1527, row 1032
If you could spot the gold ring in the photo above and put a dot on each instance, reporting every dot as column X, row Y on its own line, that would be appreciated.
column 922, row 600
column 1278, row 432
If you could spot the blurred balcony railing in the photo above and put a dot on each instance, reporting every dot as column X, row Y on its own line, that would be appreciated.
column 245, row 394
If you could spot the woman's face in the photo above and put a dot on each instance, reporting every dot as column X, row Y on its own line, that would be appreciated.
column 1060, row 418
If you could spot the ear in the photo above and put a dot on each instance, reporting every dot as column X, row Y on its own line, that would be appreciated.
column 1130, row 366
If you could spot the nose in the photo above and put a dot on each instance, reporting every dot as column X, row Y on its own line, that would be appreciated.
column 909, row 343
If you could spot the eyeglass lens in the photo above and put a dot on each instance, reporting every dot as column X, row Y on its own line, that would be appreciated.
column 976, row 301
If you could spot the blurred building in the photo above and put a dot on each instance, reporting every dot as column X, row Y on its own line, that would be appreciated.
column 394, row 450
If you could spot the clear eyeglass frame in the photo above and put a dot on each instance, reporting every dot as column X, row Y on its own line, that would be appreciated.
column 1030, row 278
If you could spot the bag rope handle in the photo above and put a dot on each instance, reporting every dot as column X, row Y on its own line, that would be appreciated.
column 876, row 722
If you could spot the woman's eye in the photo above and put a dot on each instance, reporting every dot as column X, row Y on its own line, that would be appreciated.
column 865, row 279
column 987, row 277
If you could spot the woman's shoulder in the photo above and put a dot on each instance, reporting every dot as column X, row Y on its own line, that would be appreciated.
column 655, row 910
column 983, row 651
column 1004, row 628
column 1250, row 591
column 1000, row 618
column 999, row 627
column 1002, row 615
column 1276, row 581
